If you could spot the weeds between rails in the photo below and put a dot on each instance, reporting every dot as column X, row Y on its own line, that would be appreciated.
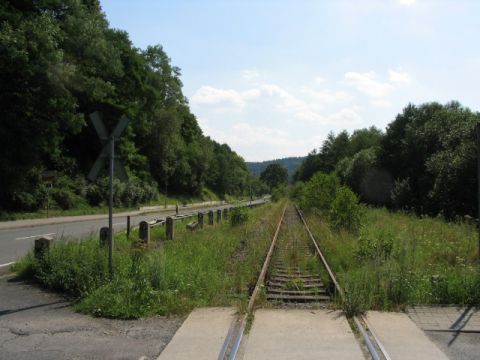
column 294, row 275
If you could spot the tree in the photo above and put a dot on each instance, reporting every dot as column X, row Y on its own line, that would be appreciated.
column 274, row 175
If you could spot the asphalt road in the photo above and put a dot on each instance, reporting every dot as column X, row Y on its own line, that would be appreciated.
column 16, row 242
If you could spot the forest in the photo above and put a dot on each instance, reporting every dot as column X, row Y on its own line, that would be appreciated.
column 291, row 163
column 59, row 62
column 425, row 161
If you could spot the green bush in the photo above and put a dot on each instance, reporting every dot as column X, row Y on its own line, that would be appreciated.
column 238, row 216
column 319, row 192
column 279, row 192
column 345, row 211
column 65, row 199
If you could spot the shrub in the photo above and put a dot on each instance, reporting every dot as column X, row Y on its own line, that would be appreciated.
column 239, row 216
column 320, row 191
column 345, row 211
column 64, row 198
column 279, row 192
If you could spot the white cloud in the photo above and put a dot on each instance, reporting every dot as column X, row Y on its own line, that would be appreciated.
column 407, row 2
column 319, row 80
column 399, row 76
column 211, row 96
column 367, row 83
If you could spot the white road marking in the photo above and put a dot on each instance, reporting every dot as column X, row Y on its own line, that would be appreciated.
column 29, row 237
column 10, row 263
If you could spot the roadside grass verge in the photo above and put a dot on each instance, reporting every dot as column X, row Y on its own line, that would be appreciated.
column 214, row 266
column 398, row 259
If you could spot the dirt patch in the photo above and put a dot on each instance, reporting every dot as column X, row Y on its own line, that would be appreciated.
column 35, row 324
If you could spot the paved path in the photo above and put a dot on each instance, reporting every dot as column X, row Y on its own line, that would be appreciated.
column 283, row 334
column 402, row 339
column 201, row 336
column 455, row 329
column 17, row 237
column 36, row 325
column 446, row 318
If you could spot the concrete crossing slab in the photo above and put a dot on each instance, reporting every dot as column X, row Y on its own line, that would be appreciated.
column 299, row 334
column 201, row 336
column 401, row 338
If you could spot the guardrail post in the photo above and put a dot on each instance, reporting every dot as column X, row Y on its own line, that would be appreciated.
column 210, row 217
column 200, row 220
column 104, row 236
column 128, row 227
column 170, row 228
column 219, row 216
column 42, row 245
column 144, row 231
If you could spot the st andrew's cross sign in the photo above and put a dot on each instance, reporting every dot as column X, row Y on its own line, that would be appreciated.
column 108, row 152
column 105, row 138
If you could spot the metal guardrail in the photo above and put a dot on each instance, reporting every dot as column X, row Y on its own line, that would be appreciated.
column 221, row 213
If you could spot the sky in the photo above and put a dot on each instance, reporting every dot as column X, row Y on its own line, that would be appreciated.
column 272, row 78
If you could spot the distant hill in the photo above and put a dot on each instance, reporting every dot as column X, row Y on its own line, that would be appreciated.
column 291, row 163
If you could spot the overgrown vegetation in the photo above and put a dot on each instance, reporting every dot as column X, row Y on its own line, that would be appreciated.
column 59, row 62
column 323, row 195
column 214, row 266
column 398, row 259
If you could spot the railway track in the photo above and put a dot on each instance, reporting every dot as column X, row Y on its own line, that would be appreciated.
column 290, row 276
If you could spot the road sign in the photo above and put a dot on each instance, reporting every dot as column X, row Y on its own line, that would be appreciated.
column 108, row 152
column 101, row 161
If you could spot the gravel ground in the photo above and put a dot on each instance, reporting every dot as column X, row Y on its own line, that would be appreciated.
column 35, row 324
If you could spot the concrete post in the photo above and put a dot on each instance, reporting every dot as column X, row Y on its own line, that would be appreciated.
column 200, row 220
column 219, row 216
column 104, row 236
column 144, row 232
column 170, row 228
column 42, row 244
column 210, row 217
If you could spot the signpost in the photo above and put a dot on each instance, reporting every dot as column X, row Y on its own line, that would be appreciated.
column 477, row 128
column 115, row 166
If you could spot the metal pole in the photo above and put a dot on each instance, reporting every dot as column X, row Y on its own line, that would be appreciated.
column 478, row 186
column 110, row 209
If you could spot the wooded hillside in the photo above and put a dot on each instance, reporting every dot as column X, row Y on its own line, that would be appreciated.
column 59, row 62
column 291, row 163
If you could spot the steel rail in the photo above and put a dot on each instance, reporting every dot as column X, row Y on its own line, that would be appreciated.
column 371, row 348
column 243, row 319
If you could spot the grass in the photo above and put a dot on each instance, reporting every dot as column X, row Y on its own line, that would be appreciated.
column 398, row 259
column 214, row 266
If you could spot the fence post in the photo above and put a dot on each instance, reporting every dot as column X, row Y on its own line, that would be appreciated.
column 128, row 227
column 144, row 231
column 219, row 216
column 170, row 228
column 42, row 245
column 210, row 217
column 200, row 220
column 225, row 213
column 104, row 235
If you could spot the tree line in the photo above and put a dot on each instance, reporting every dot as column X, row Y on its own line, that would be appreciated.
column 59, row 62
column 424, row 162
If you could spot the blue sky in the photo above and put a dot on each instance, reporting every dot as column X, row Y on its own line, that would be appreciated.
column 271, row 78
